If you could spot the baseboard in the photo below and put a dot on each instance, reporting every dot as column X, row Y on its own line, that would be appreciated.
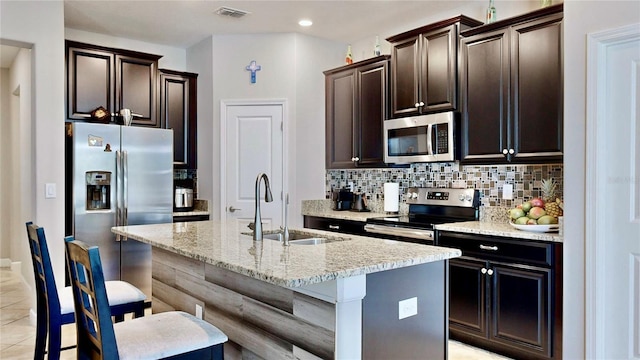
column 5, row 262
column 16, row 267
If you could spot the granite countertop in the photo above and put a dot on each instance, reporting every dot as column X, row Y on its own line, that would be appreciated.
column 200, row 207
column 497, row 229
column 225, row 245
column 322, row 208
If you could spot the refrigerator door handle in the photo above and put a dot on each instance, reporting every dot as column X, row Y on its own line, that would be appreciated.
column 118, row 191
column 125, row 190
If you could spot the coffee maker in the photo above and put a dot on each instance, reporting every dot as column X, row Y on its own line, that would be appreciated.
column 342, row 199
column 183, row 195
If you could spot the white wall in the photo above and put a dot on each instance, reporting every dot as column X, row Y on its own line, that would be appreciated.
column 41, row 23
column 292, row 66
column 172, row 57
column 200, row 61
column 5, row 150
column 19, row 161
column 307, row 161
column 580, row 18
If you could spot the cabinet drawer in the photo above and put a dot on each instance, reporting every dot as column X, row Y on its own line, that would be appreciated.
column 499, row 249
column 337, row 225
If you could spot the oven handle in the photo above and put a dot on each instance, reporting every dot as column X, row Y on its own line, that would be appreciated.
column 398, row 231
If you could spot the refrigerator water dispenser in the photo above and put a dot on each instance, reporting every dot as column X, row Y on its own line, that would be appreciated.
column 98, row 190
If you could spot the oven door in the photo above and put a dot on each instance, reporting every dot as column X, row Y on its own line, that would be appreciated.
column 426, row 138
column 400, row 233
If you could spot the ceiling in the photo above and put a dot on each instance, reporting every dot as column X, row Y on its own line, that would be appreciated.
column 182, row 23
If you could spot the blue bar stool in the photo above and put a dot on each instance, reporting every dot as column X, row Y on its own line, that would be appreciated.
column 173, row 334
column 55, row 309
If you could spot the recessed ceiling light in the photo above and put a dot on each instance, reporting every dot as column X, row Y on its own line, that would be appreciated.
column 305, row 22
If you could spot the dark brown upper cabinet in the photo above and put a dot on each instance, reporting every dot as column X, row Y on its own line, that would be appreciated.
column 356, row 106
column 512, row 90
column 424, row 67
column 178, row 111
column 112, row 78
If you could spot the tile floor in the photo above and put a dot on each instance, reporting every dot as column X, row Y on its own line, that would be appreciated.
column 17, row 334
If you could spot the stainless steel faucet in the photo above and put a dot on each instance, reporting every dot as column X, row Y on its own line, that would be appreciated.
column 257, row 227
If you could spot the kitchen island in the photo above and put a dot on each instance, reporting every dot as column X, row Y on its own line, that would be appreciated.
column 351, row 297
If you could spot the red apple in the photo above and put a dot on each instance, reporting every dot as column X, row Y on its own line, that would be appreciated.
column 537, row 202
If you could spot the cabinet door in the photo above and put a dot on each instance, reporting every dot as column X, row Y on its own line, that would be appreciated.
column 438, row 82
column 467, row 296
column 405, row 75
column 136, row 88
column 372, row 108
column 521, row 308
column 178, row 111
column 90, row 82
column 536, row 83
column 340, row 113
column 485, row 97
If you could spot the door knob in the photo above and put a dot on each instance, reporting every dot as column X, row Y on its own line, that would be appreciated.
column 232, row 209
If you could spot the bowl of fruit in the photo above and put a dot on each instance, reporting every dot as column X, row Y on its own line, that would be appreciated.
column 538, row 214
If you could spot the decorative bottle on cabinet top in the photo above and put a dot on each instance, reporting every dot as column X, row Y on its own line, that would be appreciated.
column 491, row 13
column 376, row 48
column 349, row 58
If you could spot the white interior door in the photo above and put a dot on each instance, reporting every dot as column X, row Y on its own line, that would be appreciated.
column 253, row 145
column 613, row 195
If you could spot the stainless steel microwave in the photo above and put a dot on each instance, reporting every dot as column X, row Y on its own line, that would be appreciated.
column 425, row 138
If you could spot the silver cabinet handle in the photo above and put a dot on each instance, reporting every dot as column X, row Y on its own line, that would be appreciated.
column 489, row 272
column 485, row 247
column 511, row 151
column 356, row 159
column 505, row 151
column 232, row 209
column 483, row 270
column 334, row 227
column 417, row 104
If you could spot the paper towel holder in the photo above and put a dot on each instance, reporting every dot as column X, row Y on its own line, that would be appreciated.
column 391, row 197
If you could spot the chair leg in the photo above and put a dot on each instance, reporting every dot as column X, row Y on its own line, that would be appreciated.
column 41, row 341
column 55, row 339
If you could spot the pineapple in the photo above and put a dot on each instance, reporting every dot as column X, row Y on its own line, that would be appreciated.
column 553, row 205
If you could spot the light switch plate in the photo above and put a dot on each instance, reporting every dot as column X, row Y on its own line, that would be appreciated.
column 199, row 311
column 50, row 191
column 407, row 308
column 507, row 191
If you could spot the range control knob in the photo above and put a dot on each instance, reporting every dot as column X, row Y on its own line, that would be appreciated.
column 413, row 195
column 461, row 197
column 468, row 197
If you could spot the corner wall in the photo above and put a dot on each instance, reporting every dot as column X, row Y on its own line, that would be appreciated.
column 25, row 22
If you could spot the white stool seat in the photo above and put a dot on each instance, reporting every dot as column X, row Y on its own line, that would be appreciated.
column 118, row 293
column 164, row 334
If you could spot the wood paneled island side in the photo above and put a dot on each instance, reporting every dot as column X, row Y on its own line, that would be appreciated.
column 342, row 299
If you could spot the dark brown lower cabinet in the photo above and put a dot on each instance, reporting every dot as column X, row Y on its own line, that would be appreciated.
column 335, row 225
column 505, row 295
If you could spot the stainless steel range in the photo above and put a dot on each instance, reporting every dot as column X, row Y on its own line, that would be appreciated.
column 427, row 207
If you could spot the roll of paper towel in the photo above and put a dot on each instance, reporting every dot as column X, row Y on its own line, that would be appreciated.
column 391, row 197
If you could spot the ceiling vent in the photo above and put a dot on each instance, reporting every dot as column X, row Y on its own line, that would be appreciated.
column 231, row 12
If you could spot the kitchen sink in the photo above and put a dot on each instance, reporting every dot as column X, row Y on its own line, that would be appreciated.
column 296, row 238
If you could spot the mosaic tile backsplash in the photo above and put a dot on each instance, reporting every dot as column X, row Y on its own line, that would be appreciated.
column 526, row 180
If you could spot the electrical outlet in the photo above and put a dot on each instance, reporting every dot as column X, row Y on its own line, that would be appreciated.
column 507, row 191
column 407, row 308
column 198, row 311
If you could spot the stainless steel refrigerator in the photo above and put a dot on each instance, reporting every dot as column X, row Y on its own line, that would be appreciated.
column 120, row 175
